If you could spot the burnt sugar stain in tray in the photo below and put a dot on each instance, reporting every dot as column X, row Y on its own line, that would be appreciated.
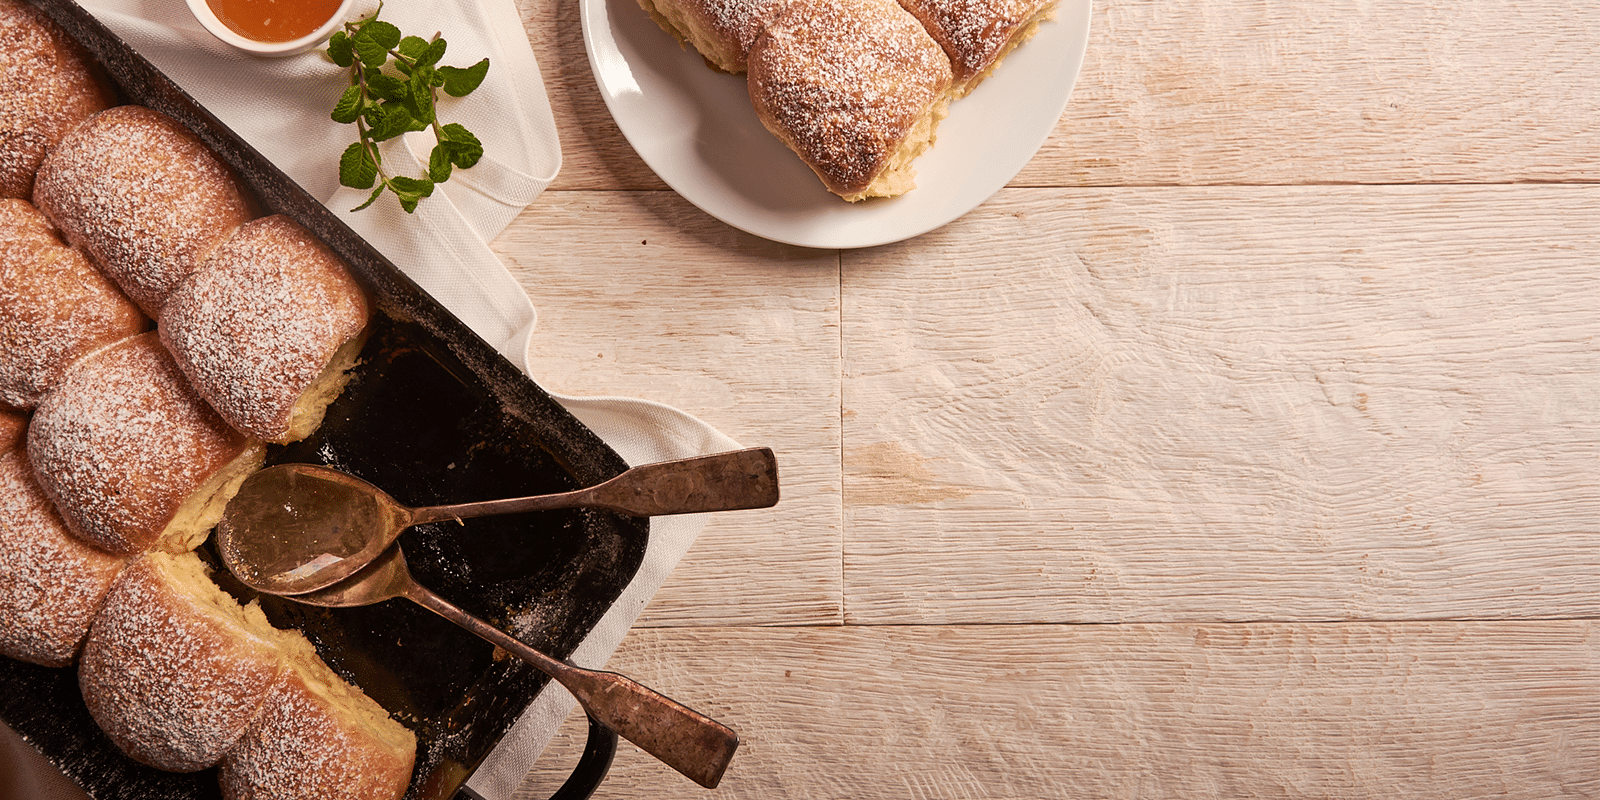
column 433, row 415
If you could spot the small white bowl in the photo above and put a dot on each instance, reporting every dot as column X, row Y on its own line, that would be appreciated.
column 208, row 19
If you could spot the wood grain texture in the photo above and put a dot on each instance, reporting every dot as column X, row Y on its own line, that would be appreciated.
column 1264, row 92
column 1420, row 710
column 1253, row 92
column 1228, row 404
column 594, row 155
column 642, row 295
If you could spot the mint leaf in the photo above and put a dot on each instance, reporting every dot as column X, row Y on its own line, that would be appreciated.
column 461, row 82
column 348, row 109
column 356, row 167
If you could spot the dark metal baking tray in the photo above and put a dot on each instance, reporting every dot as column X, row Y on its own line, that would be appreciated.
column 434, row 415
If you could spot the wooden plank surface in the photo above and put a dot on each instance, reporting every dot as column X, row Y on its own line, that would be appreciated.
column 1253, row 92
column 1416, row 710
column 1318, row 462
column 1404, row 91
column 1239, row 404
column 641, row 295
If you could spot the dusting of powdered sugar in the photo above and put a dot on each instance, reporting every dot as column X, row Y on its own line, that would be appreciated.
column 50, row 583
column 123, row 440
column 976, row 33
column 55, row 307
column 255, row 327
column 307, row 744
column 45, row 89
column 842, row 82
column 172, row 682
column 144, row 197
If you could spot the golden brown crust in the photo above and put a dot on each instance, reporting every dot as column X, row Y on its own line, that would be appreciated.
column 123, row 442
column 47, row 87
column 261, row 322
column 170, row 672
column 50, row 582
column 977, row 34
column 318, row 738
column 721, row 30
column 145, row 198
column 13, row 422
column 55, row 307
column 848, row 85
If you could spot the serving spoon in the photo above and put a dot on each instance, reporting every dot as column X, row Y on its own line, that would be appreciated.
column 296, row 528
column 682, row 738
column 327, row 538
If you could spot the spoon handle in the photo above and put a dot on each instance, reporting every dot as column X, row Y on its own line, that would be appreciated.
column 730, row 481
column 682, row 738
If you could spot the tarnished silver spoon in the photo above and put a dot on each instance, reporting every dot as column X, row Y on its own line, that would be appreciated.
column 684, row 739
column 296, row 528
column 326, row 538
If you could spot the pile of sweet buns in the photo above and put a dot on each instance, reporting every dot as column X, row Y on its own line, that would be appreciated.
column 856, row 88
column 156, row 333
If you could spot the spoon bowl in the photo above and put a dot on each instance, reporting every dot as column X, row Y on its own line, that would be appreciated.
column 297, row 528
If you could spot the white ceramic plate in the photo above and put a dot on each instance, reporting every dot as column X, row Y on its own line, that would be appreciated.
column 695, row 127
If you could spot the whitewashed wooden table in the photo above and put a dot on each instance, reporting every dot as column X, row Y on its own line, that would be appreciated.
column 1248, row 444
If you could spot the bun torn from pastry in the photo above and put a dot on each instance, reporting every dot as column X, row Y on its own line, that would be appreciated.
column 51, row 583
column 855, row 88
column 720, row 30
column 318, row 736
column 47, row 87
column 174, row 670
column 978, row 34
column 55, row 307
column 132, row 457
column 268, row 329
column 145, row 198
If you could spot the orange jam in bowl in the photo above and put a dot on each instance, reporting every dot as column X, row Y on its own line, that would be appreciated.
column 274, row 20
column 271, row 27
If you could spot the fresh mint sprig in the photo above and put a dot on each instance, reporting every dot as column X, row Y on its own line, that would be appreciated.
column 385, row 103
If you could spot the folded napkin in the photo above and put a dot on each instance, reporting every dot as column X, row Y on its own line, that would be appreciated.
column 281, row 107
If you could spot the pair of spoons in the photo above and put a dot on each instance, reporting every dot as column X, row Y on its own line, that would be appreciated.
column 327, row 538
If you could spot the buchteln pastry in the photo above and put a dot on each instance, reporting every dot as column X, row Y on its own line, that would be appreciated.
column 55, row 308
column 50, row 582
column 268, row 328
column 174, row 670
column 145, row 198
column 721, row 30
column 977, row 34
column 12, row 425
column 131, row 456
column 46, row 88
column 319, row 737
column 856, row 88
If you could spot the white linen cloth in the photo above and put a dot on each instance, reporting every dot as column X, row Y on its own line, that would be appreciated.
column 281, row 107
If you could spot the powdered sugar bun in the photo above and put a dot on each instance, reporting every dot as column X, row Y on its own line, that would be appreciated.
column 977, row 34
column 12, row 425
column 131, row 456
column 50, row 582
column 143, row 197
column 55, row 307
column 854, row 87
column 23, row 229
column 268, row 328
column 174, row 670
column 721, row 30
column 47, row 87
column 319, row 737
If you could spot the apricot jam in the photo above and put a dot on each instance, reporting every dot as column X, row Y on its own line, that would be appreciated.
column 273, row 20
